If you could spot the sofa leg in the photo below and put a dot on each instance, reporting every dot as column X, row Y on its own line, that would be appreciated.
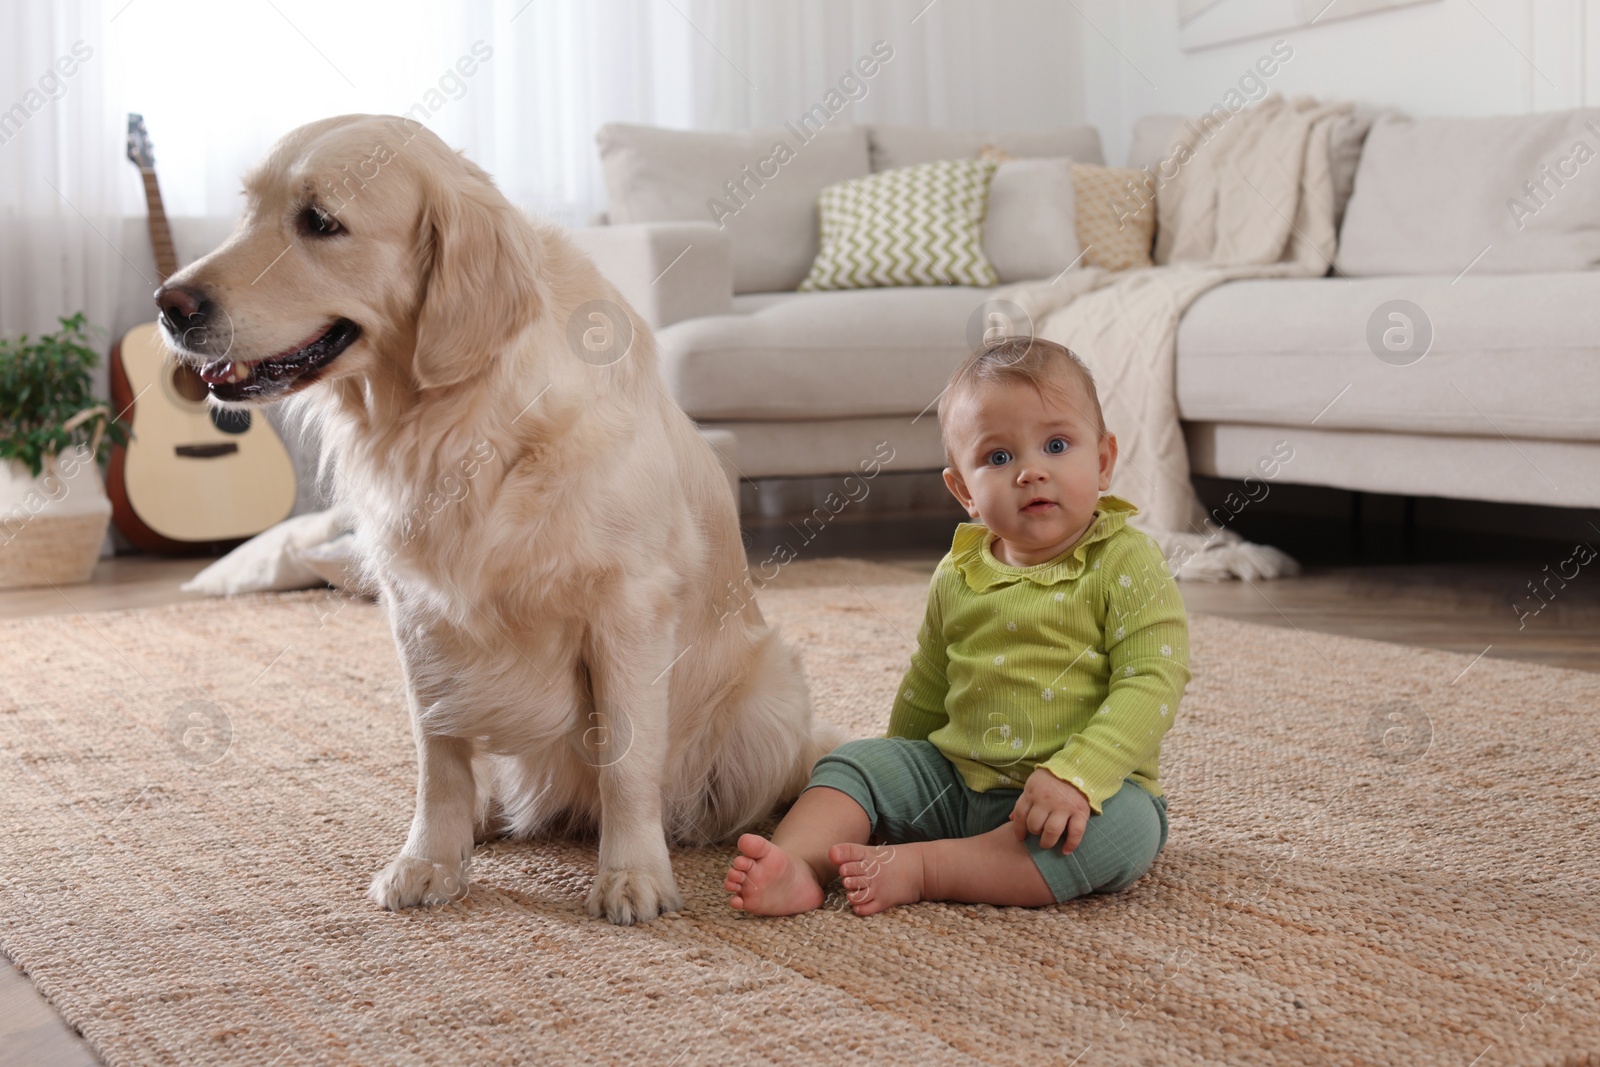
column 1408, row 527
column 1355, row 525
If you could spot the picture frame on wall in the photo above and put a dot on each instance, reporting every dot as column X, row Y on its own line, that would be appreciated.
column 1204, row 23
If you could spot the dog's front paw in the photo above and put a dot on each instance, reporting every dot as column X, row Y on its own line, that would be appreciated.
column 629, row 895
column 409, row 881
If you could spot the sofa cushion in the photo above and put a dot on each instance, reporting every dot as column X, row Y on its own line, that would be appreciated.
column 1464, row 466
column 1508, row 193
column 905, row 146
column 1517, row 355
column 760, row 185
column 1030, row 231
column 828, row 355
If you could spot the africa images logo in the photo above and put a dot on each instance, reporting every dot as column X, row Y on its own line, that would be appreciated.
column 852, row 86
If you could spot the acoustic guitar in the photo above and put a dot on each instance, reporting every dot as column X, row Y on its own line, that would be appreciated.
column 192, row 478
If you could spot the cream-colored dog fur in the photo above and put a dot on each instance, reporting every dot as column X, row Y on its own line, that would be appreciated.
column 555, row 544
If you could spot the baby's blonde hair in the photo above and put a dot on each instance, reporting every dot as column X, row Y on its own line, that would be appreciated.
column 1033, row 360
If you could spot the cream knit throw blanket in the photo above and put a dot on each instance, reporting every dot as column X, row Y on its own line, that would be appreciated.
column 1253, row 201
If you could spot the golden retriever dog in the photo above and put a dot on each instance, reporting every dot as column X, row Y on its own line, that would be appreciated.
column 553, row 542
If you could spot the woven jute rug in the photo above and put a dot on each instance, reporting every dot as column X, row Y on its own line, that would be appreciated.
column 1378, row 855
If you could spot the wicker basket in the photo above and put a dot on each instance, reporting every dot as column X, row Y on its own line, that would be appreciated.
column 52, row 526
column 51, row 549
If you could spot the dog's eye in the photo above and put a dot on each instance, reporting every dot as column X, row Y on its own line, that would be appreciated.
column 314, row 222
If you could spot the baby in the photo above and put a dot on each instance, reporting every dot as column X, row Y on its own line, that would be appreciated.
column 1020, row 765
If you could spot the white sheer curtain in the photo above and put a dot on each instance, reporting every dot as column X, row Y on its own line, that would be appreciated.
column 520, row 85
column 59, row 145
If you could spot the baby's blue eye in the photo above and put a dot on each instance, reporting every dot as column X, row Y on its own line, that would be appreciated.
column 1056, row 445
column 999, row 457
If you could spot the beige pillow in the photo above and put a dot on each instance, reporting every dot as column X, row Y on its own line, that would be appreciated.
column 1030, row 231
column 1116, row 208
column 1114, row 212
column 1499, row 194
column 761, row 186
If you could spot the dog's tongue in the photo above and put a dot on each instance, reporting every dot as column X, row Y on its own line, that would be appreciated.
column 217, row 371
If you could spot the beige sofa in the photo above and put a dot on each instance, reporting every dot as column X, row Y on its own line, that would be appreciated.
column 1504, row 405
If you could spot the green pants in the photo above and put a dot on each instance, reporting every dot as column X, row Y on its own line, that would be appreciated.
column 910, row 792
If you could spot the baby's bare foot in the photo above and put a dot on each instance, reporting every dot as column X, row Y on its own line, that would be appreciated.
column 766, row 880
column 877, row 878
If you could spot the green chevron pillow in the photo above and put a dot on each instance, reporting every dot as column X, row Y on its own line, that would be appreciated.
column 919, row 225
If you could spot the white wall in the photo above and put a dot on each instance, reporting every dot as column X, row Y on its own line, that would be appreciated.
column 1446, row 57
column 962, row 64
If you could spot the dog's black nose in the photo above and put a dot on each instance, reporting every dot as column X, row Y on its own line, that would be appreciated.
column 183, row 307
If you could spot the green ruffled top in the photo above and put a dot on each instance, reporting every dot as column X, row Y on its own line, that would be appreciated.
column 971, row 554
column 1075, row 664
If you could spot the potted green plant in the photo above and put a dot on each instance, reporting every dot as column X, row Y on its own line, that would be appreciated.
column 53, row 505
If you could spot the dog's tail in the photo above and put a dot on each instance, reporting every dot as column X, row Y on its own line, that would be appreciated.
column 825, row 737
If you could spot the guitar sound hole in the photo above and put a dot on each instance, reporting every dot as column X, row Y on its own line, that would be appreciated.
column 230, row 421
column 187, row 383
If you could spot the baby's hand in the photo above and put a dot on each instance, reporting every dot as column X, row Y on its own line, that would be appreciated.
column 1047, row 807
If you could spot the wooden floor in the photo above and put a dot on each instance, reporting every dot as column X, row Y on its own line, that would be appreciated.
column 1460, row 606
column 1463, row 605
column 31, row 1033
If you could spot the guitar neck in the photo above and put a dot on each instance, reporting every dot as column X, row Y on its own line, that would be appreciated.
column 160, row 231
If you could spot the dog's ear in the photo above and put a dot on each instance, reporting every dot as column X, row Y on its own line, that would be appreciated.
column 478, row 281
